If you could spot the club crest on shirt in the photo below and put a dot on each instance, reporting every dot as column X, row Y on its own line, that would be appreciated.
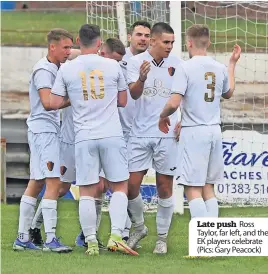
column 63, row 169
column 171, row 71
column 50, row 166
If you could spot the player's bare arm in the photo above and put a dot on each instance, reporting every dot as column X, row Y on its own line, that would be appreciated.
column 136, row 88
column 170, row 107
column 58, row 102
column 44, row 97
column 177, row 130
column 122, row 98
column 231, row 71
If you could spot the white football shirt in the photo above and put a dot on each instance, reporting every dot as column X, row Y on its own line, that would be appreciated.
column 40, row 120
column 67, row 126
column 202, row 81
column 127, row 113
column 156, row 92
column 92, row 84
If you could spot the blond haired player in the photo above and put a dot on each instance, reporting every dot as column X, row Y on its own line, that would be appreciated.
column 96, row 87
column 43, row 137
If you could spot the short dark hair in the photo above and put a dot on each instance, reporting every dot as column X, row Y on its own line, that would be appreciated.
column 115, row 45
column 161, row 27
column 57, row 34
column 139, row 23
column 199, row 33
column 88, row 34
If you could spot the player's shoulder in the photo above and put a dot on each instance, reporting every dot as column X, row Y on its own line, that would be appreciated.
column 141, row 57
column 67, row 64
column 195, row 61
column 174, row 60
column 219, row 65
column 109, row 64
column 126, row 58
column 108, row 61
column 128, row 54
column 44, row 64
column 68, row 67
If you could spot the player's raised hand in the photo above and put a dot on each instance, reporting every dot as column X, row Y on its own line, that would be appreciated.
column 144, row 70
column 164, row 124
column 235, row 54
column 177, row 131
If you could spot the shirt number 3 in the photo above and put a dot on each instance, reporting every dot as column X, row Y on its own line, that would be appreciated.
column 210, row 76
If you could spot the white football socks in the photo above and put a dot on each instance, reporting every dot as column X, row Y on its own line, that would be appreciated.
column 88, row 217
column 27, row 208
column 164, row 215
column 38, row 217
column 118, row 212
column 198, row 208
column 49, row 210
column 135, row 210
column 212, row 207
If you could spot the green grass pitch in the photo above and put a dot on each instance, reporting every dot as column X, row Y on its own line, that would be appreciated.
column 30, row 28
column 148, row 263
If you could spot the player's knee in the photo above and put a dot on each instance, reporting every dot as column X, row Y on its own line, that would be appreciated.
column 164, row 190
column 134, row 183
column 89, row 190
column 193, row 192
column 164, row 185
column 53, row 186
column 64, row 189
column 105, row 186
column 168, row 202
column 208, row 192
column 119, row 186
column 34, row 188
column 100, row 188
column 133, row 191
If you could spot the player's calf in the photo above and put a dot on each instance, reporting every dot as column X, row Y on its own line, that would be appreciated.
column 211, row 201
column 118, row 207
column 134, row 184
column 196, row 202
column 35, row 230
column 49, row 211
column 27, row 207
column 135, row 209
column 49, row 207
column 87, row 213
column 118, row 214
column 165, row 211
